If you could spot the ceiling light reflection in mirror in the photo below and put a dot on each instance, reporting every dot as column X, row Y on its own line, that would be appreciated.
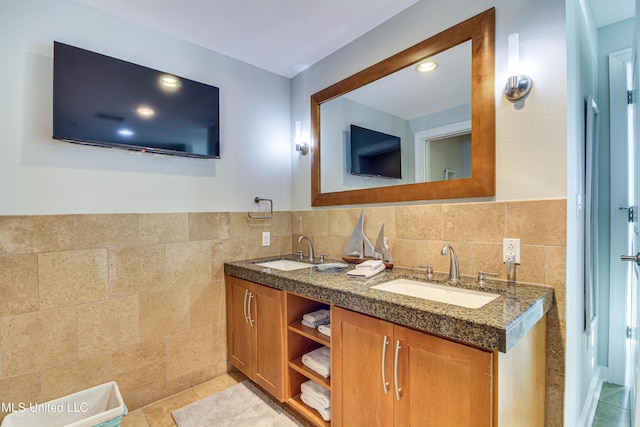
column 145, row 112
column 403, row 103
column 169, row 83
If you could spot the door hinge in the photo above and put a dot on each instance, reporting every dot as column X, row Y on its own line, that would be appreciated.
column 632, row 213
column 629, row 97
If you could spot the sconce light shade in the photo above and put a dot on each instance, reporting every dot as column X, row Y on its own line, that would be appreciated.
column 518, row 85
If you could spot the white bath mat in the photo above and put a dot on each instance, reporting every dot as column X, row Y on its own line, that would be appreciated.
column 242, row 405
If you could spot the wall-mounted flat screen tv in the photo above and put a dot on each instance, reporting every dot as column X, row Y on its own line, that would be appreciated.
column 375, row 154
column 103, row 101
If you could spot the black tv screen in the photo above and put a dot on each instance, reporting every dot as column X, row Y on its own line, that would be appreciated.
column 375, row 154
column 104, row 101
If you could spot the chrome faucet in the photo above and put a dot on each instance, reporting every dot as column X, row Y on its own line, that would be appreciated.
column 310, row 246
column 454, row 271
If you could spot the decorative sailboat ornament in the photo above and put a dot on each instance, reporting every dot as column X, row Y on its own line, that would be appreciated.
column 381, row 250
column 358, row 245
column 360, row 249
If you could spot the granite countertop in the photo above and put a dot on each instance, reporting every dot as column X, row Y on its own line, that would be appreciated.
column 497, row 325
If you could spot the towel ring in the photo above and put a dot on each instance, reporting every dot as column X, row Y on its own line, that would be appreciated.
column 257, row 200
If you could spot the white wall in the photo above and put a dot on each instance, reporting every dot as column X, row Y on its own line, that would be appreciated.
column 39, row 175
column 530, row 142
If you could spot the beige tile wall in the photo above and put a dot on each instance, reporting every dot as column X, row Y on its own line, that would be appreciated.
column 475, row 230
column 139, row 298
column 135, row 298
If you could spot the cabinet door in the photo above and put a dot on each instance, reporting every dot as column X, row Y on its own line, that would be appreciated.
column 239, row 328
column 268, row 339
column 359, row 363
column 442, row 383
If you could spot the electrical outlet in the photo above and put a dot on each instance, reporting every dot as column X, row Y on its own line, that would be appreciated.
column 266, row 238
column 511, row 247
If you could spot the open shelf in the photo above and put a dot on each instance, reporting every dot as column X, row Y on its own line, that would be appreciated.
column 298, row 366
column 300, row 340
column 308, row 412
column 310, row 333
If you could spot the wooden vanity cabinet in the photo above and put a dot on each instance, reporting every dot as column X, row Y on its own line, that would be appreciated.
column 385, row 375
column 255, row 343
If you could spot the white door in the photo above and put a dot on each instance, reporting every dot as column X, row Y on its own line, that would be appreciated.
column 633, row 233
column 620, row 72
column 631, row 258
column 632, row 254
column 624, row 297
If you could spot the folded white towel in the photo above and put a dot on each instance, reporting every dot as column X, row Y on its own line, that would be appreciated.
column 319, row 360
column 370, row 264
column 317, row 393
column 316, row 315
column 325, row 413
column 325, row 329
column 315, row 324
column 367, row 269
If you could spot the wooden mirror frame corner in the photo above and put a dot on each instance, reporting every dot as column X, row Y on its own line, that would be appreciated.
column 480, row 29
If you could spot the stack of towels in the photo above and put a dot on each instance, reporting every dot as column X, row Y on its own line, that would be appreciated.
column 317, row 397
column 317, row 318
column 367, row 269
column 319, row 361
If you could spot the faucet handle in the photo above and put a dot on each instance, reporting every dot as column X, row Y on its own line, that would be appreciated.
column 429, row 270
column 300, row 255
column 482, row 277
column 322, row 257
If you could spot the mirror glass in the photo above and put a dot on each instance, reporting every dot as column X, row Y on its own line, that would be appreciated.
column 410, row 105
column 391, row 133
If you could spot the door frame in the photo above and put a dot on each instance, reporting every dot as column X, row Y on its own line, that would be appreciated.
column 422, row 145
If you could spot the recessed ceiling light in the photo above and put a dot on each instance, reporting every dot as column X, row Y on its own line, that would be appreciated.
column 426, row 66
column 125, row 132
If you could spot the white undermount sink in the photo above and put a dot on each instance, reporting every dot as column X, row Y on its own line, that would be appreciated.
column 439, row 293
column 285, row 264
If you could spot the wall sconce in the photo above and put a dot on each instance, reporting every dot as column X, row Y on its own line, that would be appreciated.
column 518, row 85
column 303, row 147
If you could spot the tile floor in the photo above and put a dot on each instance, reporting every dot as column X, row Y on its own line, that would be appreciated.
column 158, row 414
column 613, row 407
column 612, row 410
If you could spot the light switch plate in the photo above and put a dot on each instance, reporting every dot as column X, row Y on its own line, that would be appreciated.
column 266, row 238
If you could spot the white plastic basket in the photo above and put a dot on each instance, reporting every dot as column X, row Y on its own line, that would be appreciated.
column 101, row 406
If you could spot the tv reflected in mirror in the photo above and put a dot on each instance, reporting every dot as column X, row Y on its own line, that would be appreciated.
column 375, row 154
column 103, row 101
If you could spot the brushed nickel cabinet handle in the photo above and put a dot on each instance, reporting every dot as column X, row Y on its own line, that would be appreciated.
column 251, row 321
column 244, row 306
column 385, row 384
column 395, row 371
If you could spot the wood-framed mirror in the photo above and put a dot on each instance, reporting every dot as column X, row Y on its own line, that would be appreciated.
column 478, row 35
